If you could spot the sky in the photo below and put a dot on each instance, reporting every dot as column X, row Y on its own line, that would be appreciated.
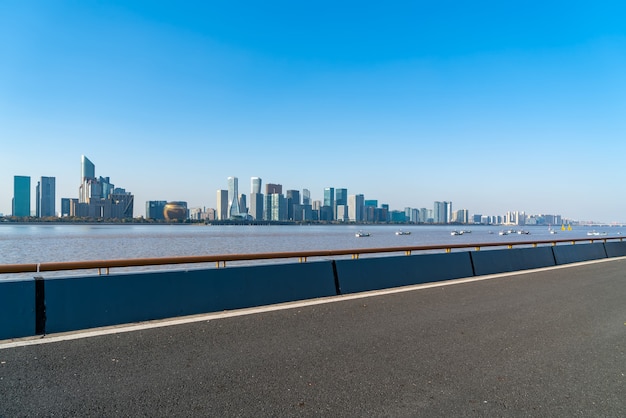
column 494, row 106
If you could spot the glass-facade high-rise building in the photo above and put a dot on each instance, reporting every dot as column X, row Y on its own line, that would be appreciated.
column 255, row 185
column 87, row 168
column 21, row 196
column 328, row 208
column 243, row 205
column 341, row 197
column 222, row 205
column 99, row 198
column 66, row 206
column 155, row 208
column 448, row 208
column 356, row 208
column 293, row 202
column 440, row 212
column 233, row 197
column 278, row 207
column 87, row 176
column 256, row 199
column 329, row 196
column 256, row 206
column 45, row 197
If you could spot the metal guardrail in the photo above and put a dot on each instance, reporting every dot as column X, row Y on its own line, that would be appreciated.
column 302, row 256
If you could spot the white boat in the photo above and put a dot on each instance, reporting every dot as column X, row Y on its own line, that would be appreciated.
column 456, row 233
column 523, row 232
column 595, row 233
column 503, row 233
column 362, row 234
column 403, row 232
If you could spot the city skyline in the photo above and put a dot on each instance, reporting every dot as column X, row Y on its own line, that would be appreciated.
column 496, row 107
column 230, row 204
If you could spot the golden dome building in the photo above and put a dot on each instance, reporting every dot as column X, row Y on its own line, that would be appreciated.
column 175, row 211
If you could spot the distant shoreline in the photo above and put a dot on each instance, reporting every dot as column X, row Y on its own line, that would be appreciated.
column 140, row 221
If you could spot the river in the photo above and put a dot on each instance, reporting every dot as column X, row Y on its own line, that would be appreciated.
column 40, row 243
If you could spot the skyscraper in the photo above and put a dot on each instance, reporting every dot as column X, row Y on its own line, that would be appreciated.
column 278, row 207
column 256, row 206
column 341, row 197
column 329, row 196
column 256, row 199
column 293, row 199
column 243, row 205
column 255, row 185
column 87, row 173
column 273, row 188
column 99, row 198
column 21, row 196
column 356, row 208
column 440, row 210
column 66, row 206
column 46, row 197
column 306, row 197
column 222, row 205
column 87, row 168
column 233, row 198
column 329, row 204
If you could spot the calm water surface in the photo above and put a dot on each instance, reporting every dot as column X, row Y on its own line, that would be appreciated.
column 24, row 243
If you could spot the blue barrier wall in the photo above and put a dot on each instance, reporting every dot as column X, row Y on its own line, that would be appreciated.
column 565, row 254
column 515, row 259
column 384, row 272
column 29, row 307
column 87, row 302
column 17, row 308
column 615, row 248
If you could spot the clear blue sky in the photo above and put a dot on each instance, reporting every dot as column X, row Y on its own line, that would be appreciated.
column 492, row 105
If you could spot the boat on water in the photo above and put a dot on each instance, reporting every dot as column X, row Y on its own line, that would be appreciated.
column 503, row 233
column 595, row 233
column 362, row 234
column 461, row 232
column 403, row 232
column 523, row 232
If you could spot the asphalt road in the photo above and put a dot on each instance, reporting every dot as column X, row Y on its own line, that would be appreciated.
column 544, row 343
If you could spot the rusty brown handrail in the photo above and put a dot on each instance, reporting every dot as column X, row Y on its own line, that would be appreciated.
column 301, row 255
